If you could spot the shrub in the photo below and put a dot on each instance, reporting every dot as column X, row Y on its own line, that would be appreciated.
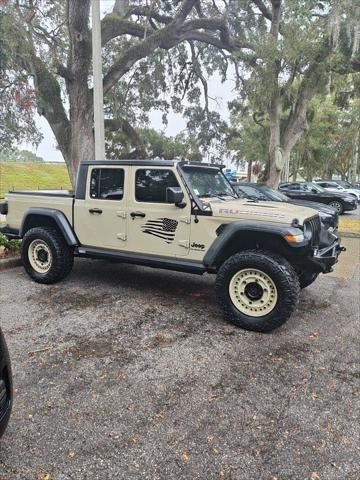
column 9, row 245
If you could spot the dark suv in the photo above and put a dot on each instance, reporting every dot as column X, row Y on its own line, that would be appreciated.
column 5, row 385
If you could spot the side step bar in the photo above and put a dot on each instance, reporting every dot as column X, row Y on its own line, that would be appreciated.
column 144, row 260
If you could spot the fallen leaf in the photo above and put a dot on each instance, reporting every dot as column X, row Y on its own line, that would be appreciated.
column 274, row 478
column 134, row 439
column 185, row 456
column 314, row 334
column 216, row 451
column 136, row 465
column 71, row 454
column 315, row 396
column 314, row 476
column 222, row 473
column 159, row 415
column 131, row 408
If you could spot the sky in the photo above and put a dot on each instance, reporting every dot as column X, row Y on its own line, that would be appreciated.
column 221, row 92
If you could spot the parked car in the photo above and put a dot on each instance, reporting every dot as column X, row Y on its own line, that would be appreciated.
column 345, row 184
column 178, row 216
column 259, row 191
column 336, row 187
column 5, row 385
column 341, row 201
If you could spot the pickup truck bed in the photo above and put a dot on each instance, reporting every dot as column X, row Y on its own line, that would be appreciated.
column 21, row 201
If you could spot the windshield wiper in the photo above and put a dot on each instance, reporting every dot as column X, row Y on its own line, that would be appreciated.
column 228, row 195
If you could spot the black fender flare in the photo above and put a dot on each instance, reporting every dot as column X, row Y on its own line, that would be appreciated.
column 59, row 218
column 227, row 232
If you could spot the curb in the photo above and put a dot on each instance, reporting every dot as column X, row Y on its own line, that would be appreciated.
column 349, row 234
column 6, row 263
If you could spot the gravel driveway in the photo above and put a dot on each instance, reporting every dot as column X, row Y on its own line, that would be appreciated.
column 123, row 372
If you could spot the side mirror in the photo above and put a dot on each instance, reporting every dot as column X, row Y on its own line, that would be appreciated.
column 176, row 196
column 313, row 190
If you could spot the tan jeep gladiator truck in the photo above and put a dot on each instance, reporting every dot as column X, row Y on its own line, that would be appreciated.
column 179, row 216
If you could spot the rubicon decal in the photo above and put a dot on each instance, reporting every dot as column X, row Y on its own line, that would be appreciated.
column 231, row 211
column 163, row 228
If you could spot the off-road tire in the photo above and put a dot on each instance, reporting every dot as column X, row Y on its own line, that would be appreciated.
column 338, row 205
column 281, row 273
column 307, row 278
column 62, row 254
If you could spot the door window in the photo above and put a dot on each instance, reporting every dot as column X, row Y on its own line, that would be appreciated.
column 151, row 184
column 107, row 183
column 293, row 186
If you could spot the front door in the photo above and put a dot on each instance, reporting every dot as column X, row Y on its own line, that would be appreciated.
column 100, row 219
column 155, row 226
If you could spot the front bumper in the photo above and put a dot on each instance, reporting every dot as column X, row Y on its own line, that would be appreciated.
column 325, row 258
column 350, row 205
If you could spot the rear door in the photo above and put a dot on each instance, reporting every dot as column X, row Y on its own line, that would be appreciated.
column 100, row 219
column 292, row 190
column 155, row 226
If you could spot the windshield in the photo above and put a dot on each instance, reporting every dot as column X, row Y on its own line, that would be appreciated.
column 208, row 182
column 344, row 184
column 273, row 194
column 251, row 192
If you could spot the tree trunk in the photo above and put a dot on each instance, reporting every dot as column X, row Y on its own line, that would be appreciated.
column 82, row 143
column 354, row 158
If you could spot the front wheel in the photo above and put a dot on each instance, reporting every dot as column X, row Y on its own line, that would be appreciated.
column 339, row 207
column 258, row 290
column 45, row 255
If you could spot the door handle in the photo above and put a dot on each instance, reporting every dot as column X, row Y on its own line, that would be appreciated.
column 137, row 214
column 95, row 210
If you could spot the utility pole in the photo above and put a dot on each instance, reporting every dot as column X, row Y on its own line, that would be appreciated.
column 98, row 82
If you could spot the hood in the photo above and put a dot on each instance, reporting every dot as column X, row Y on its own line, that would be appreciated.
column 320, row 207
column 271, row 212
column 330, row 193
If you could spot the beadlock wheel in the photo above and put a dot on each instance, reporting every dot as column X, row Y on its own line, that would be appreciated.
column 253, row 292
column 40, row 256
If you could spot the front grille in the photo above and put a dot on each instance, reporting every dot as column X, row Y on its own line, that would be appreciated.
column 315, row 226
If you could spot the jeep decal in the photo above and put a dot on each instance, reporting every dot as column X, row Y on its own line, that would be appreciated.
column 163, row 228
column 197, row 246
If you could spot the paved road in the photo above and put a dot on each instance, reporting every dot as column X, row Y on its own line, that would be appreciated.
column 123, row 372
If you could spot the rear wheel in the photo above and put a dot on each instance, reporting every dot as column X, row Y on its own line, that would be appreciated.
column 258, row 290
column 45, row 255
column 339, row 207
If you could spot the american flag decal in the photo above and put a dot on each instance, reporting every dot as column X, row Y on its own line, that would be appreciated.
column 161, row 227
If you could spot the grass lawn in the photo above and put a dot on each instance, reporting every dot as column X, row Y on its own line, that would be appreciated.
column 349, row 224
column 30, row 176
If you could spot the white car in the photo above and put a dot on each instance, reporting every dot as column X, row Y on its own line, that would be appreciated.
column 335, row 187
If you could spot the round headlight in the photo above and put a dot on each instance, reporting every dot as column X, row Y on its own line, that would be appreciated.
column 307, row 231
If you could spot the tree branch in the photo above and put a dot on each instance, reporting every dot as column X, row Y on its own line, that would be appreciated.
column 166, row 38
column 114, row 124
column 149, row 13
column 263, row 9
column 113, row 26
column 184, row 11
